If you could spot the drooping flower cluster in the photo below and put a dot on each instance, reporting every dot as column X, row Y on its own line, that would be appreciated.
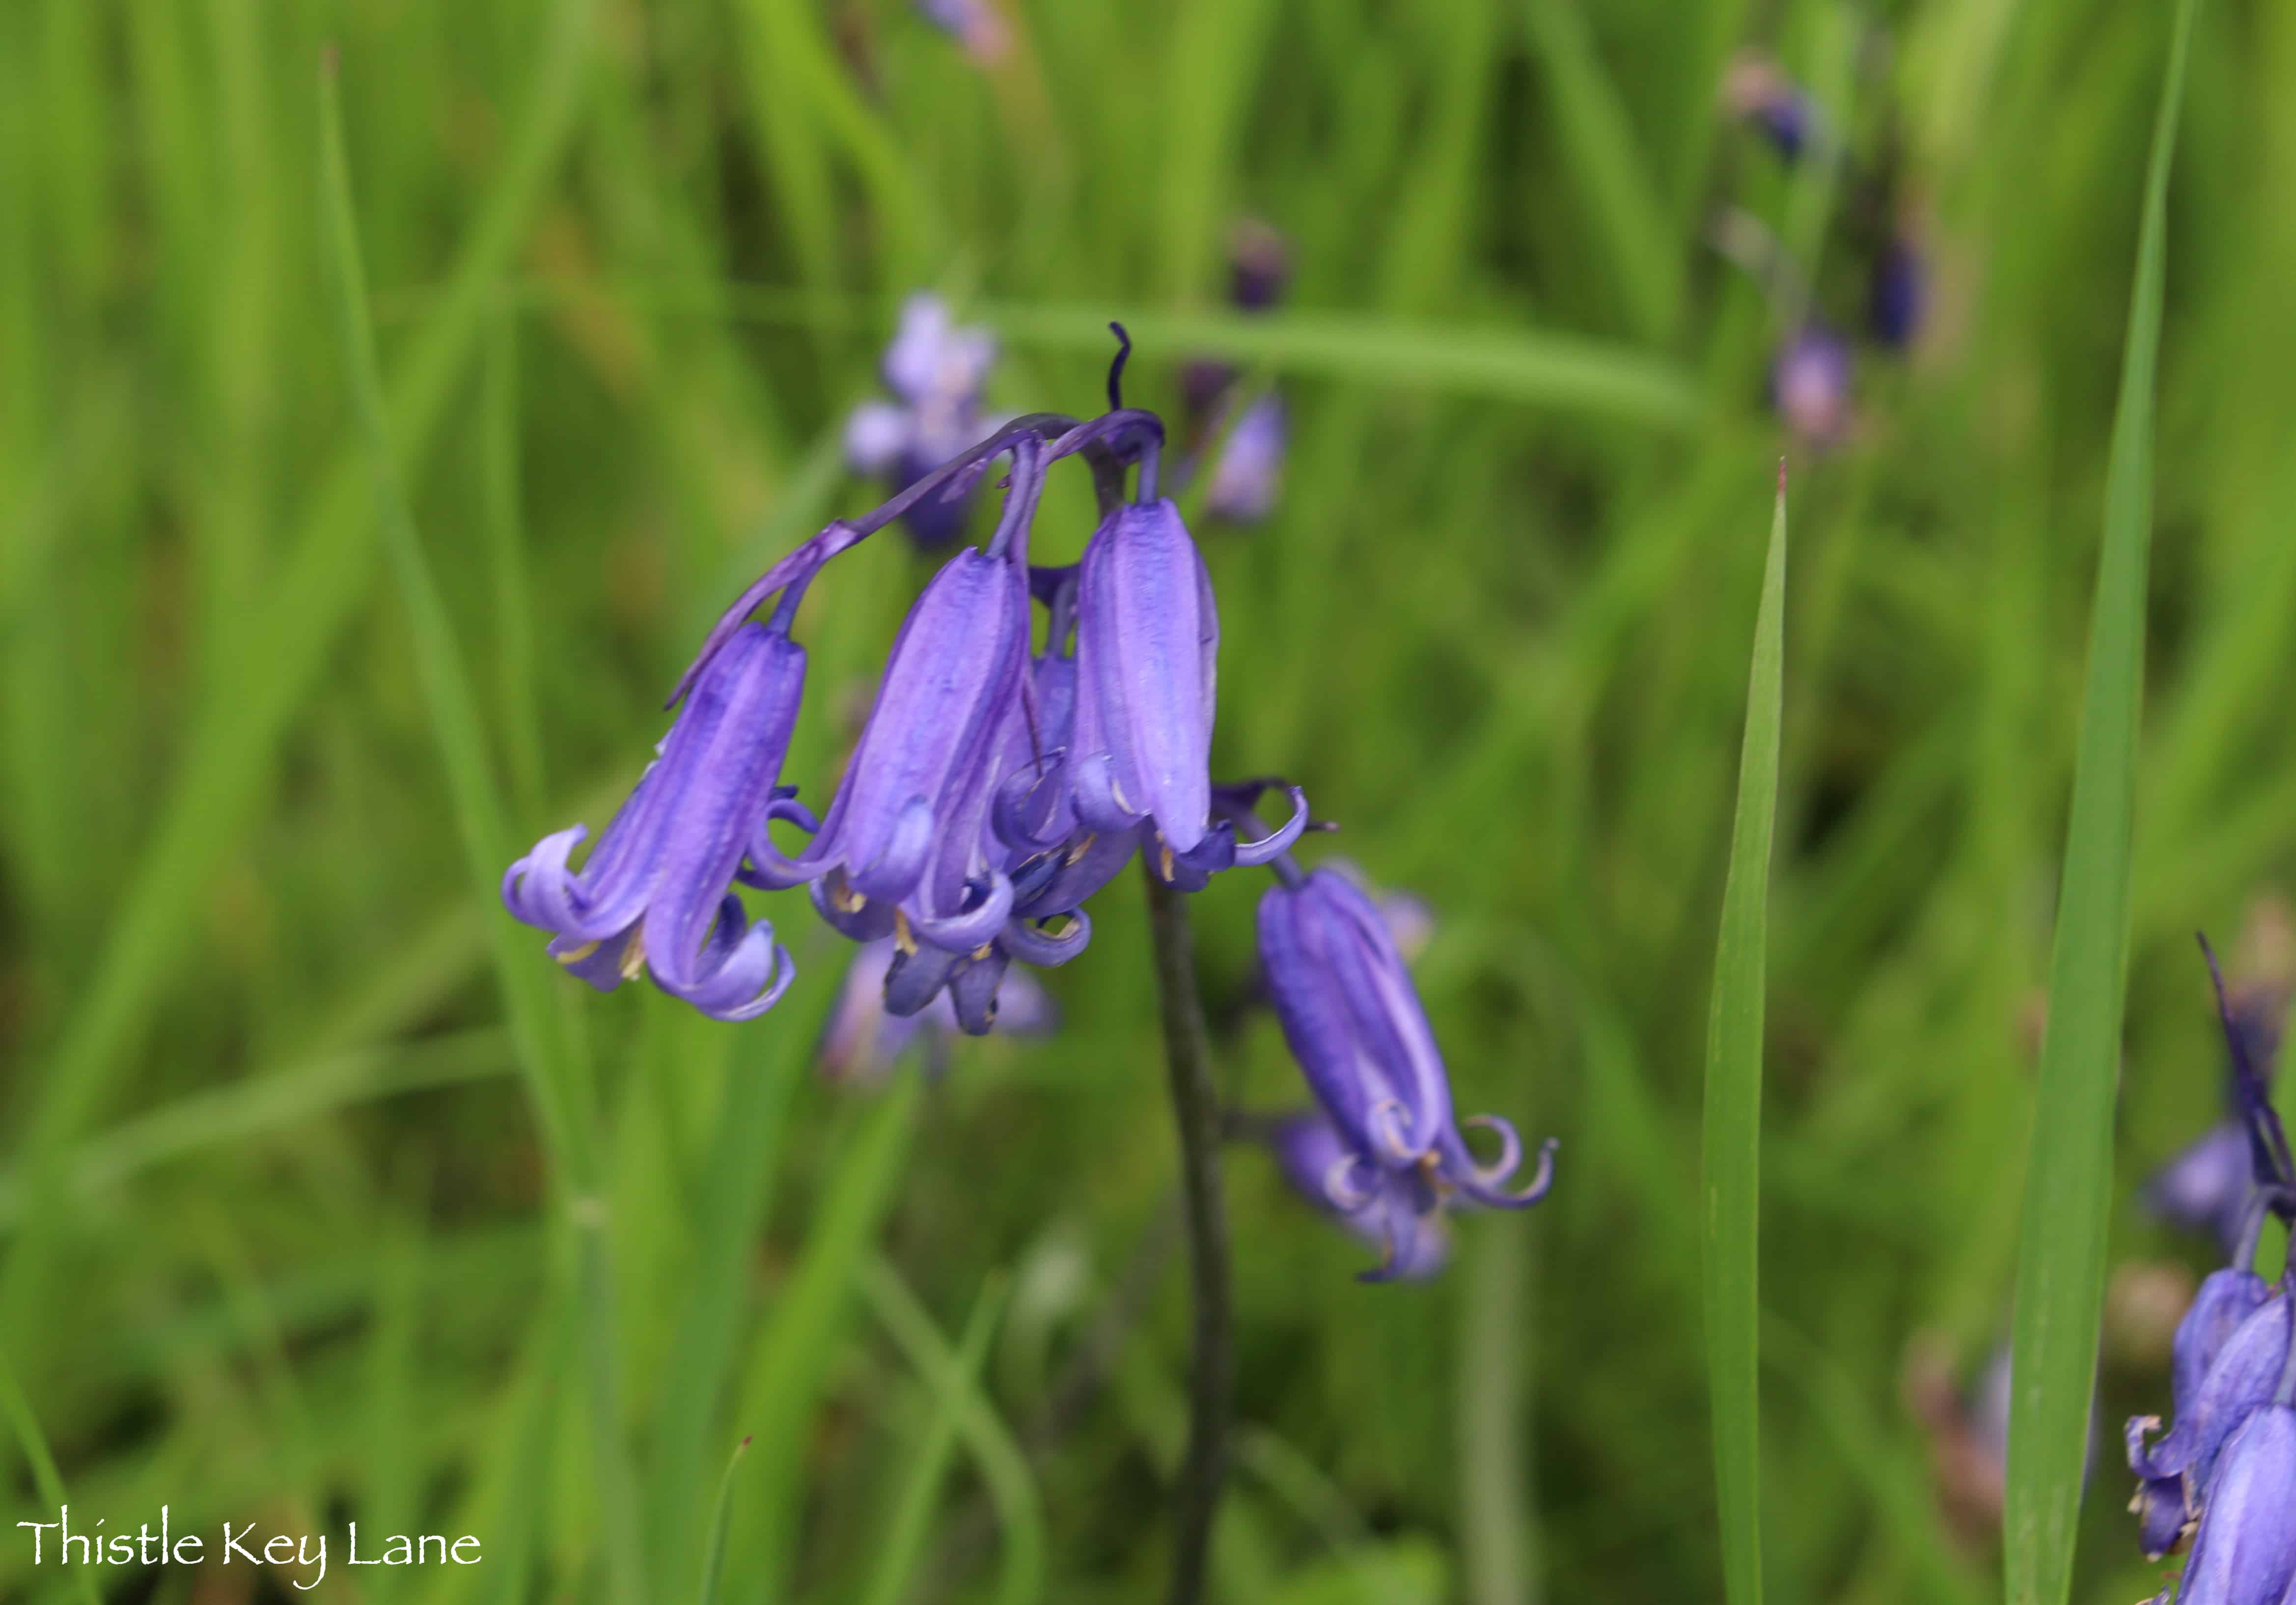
column 990, row 793
column 936, row 372
column 992, row 790
column 2224, row 1476
column 1384, row 1151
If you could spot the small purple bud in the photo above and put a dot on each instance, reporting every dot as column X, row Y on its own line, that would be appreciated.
column 656, row 892
column 1756, row 91
column 1898, row 295
column 862, row 1041
column 1259, row 266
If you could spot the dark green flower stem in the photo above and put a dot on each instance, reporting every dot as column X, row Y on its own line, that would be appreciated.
column 1195, row 1111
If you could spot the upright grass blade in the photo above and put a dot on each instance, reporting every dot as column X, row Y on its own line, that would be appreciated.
column 555, row 1074
column 2069, row 1177
column 713, row 1558
column 1645, row 258
column 1003, row 1466
column 1732, row 1172
column 310, row 601
column 913, row 1506
column 34, row 1444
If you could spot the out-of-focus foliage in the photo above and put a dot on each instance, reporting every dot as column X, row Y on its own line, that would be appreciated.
column 281, row 1243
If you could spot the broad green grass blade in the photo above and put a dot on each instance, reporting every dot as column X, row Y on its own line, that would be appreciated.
column 1732, row 1172
column 713, row 1560
column 1002, row 1465
column 920, row 1491
column 1567, row 372
column 562, row 1109
column 2068, row 1177
column 34, row 1445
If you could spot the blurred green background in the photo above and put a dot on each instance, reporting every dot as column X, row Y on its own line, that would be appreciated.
column 282, row 1241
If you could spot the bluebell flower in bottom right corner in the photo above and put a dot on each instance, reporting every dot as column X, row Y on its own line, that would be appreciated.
column 1354, row 1023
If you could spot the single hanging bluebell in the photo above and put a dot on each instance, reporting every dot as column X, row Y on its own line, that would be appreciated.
column 655, row 896
column 1353, row 1020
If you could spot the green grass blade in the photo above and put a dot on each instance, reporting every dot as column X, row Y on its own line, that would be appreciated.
column 34, row 1445
column 790, row 1365
column 1646, row 259
column 1567, row 372
column 713, row 1558
column 920, row 1491
column 2069, row 1177
column 560, row 1107
column 763, row 1075
column 229, row 751
column 1004, row 1467
column 1733, row 1174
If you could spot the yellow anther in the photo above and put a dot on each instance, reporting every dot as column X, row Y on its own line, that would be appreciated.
column 575, row 956
column 902, row 939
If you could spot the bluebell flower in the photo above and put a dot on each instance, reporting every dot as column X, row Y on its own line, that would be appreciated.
column 1311, row 1154
column 2227, row 1357
column 1147, row 667
column 935, row 372
column 2244, row 1551
column 656, row 893
column 1248, row 471
column 862, row 1041
column 1809, row 386
column 903, row 848
column 2236, row 1349
column 1354, row 1023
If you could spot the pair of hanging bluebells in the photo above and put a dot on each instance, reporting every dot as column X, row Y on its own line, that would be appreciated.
column 992, row 791
column 2223, row 1478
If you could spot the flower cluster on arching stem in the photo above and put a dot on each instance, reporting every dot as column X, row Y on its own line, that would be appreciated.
column 2223, row 1477
column 991, row 792
column 993, row 788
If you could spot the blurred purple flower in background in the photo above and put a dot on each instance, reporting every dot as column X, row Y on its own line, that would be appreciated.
column 936, row 372
column 1809, row 386
column 1248, row 472
column 975, row 24
column 1756, row 91
column 1896, row 293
